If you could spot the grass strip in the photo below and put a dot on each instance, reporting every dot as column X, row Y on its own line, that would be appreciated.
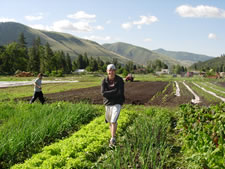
column 144, row 144
column 81, row 149
column 25, row 91
column 26, row 128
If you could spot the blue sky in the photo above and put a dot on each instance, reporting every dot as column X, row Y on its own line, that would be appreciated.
column 178, row 25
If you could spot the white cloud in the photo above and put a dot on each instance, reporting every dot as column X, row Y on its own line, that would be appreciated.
column 2, row 19
column 98, row 38
column 42, row 27
column 81, row 15
column 144, row 20
column 34, row 18
column 201, row 11
column 212, row 36
column 127, row 25
column 148, row 40
column 99, row 27
column 66, row 25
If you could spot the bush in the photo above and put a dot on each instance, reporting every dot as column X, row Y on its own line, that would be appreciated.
column 125, row 73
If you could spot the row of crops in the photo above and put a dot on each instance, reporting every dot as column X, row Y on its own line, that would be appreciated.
column 25, row 128
column 192, row 137
column 58, row 136
column 202, row 133
column 66, row 135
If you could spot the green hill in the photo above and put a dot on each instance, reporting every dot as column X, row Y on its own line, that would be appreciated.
column 184, row 57
column 10, row 31
column 138, row 54
column 218, row 64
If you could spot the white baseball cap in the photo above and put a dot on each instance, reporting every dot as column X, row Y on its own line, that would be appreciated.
column 111, row 67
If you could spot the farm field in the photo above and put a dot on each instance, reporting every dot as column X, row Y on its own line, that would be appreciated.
column 157, row 127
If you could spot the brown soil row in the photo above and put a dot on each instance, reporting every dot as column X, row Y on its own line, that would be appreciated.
column 136, row 93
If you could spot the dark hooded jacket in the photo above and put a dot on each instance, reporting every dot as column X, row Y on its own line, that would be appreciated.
column 113, row 95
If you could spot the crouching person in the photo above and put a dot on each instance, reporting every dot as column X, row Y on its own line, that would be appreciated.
column 38, row 90
column 112, row 90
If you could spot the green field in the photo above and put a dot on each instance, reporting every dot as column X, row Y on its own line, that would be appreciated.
column 66, row 135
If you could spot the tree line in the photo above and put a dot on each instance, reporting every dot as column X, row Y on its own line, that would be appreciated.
column 41, row 58
column 37, row 58
column 216, row 65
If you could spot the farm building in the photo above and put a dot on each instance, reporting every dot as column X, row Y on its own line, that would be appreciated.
column 190, row 74
column 163, row 71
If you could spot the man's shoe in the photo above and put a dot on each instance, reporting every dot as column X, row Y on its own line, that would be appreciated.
column 112, row 142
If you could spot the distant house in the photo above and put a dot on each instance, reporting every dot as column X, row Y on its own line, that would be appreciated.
column 163, row 71
column 196, row 72
column 190, row 74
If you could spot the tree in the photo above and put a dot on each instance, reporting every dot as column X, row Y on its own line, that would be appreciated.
column 13, row 58
column 49, row 58
column 69, row 63
column 129, row 66
column 85, row 60
column 80, row 62
column 62, row 62
column 21, row 40
column 34, row 57
column 93, row 65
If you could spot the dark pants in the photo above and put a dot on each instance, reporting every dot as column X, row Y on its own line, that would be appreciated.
column 38, row 95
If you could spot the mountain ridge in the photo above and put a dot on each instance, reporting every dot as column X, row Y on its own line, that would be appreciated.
column 183, row 56
column 134, row 52
column 10, row 31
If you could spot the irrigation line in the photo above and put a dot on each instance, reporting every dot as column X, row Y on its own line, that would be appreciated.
column 196, row 100
column 212, row 87
column 4, row 84
column 212, row 93
column 177, row 89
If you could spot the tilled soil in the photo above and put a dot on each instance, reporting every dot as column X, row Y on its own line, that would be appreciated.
column 222, row 84
column 169, row 99
column 136, row 93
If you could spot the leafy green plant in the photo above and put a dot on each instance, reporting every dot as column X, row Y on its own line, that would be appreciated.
column 81, row 149
column 144, row 144
column 202, row 130
column 27, row 128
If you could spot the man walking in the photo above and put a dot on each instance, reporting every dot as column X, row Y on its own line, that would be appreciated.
column 37, row 90
column 112, row 90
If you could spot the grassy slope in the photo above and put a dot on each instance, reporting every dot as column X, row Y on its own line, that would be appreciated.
column 190, row 58
column 10, row 32
column 138, row 54
column 212, row 63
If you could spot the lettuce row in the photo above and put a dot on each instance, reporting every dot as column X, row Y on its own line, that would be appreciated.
column 81, row 149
